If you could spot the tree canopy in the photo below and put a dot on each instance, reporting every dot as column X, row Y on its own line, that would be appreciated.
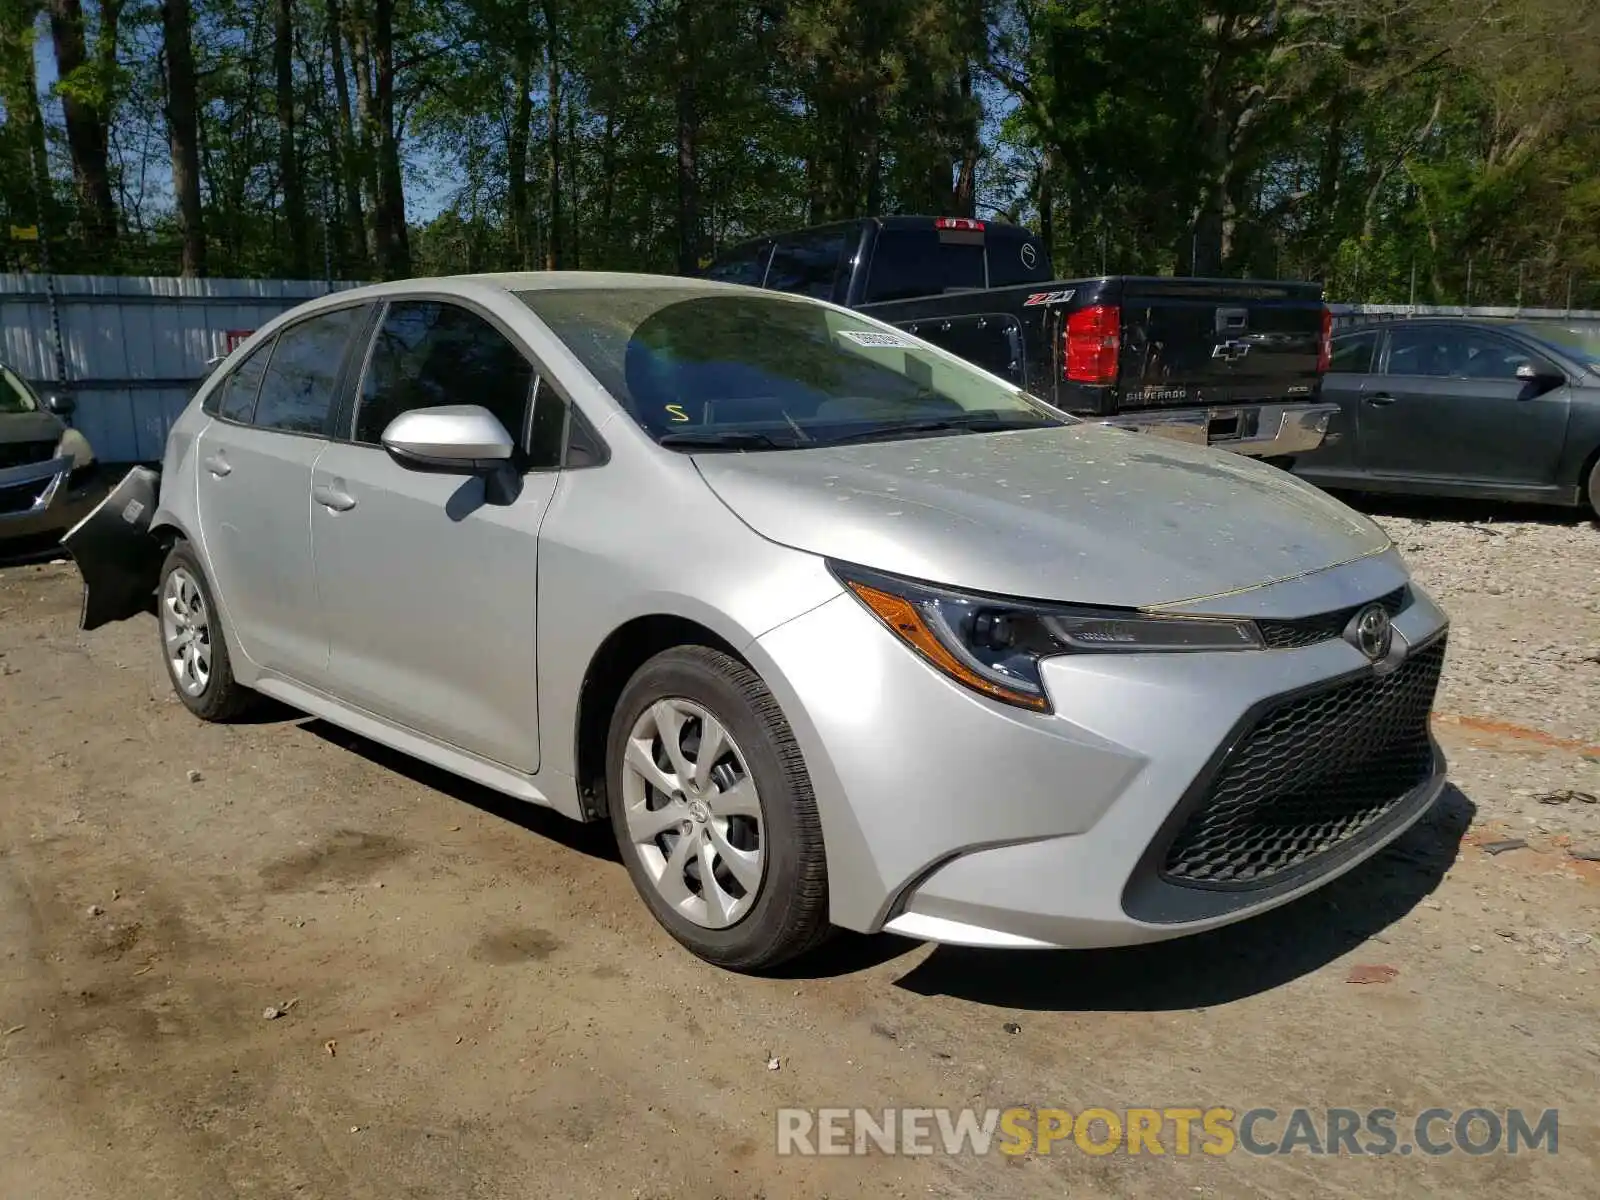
column 1442, row 149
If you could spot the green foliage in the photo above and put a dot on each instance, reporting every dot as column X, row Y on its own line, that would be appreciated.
column 1388, row 147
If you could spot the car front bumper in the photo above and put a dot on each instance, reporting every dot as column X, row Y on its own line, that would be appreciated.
column 39, row 499
column 1256, row 430
column 953, row 818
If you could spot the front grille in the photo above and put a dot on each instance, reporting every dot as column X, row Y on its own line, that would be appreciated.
column 22, row 454
column 1310, row 775
column 1324, row 627
column 19, row 498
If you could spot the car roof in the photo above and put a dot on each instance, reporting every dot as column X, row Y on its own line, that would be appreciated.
column 528, row 281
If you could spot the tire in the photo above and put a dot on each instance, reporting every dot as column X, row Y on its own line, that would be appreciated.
column 1592, row 491
column 757, row 770
column 199, row 667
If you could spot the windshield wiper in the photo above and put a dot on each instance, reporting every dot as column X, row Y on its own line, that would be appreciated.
column 980, row 423
column 723, row 439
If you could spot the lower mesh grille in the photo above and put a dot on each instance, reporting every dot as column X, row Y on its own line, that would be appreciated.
column 1312, row 774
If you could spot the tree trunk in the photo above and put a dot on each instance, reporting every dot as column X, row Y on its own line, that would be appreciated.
column 88, row 125
column 608, row 191
column 688, row 142
column 575, row 228
column 372, row 54
column 391, row 188
column 29, row 198
column 517, row 148
column 183, row 133
column 552, row 49
column 1046, row 195
column 289, row 180
column 964, row 197
column 357, row 27
column 348, row 155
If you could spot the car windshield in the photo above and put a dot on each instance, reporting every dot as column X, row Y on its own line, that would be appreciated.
column 1579, row 344
column 717, row 370
column 15, row 397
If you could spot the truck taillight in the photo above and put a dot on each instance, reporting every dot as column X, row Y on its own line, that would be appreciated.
column 1093, row 342
column 958, row 223
column 1325, row 342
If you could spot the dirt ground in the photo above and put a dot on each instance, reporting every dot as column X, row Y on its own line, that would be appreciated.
column 476, row 1005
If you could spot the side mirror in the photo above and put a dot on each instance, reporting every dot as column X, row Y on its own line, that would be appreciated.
column 60, row 403
column 466, row 439
column 1533, row 373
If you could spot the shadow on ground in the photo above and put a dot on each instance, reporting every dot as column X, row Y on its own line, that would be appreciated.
column 593, row 838
column 1217, row 967
column 1212, row 968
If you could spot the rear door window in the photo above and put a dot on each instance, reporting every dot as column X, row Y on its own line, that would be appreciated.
column 297, row 392
column 811, row 264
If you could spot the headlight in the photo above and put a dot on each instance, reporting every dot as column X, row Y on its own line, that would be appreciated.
column 994, row 644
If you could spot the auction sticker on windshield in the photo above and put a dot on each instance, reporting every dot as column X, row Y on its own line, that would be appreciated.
column 871, row 337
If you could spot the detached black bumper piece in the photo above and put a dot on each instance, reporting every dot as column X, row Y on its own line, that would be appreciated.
column 119, row 561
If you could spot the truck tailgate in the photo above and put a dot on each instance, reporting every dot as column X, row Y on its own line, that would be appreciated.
column 1187, row 342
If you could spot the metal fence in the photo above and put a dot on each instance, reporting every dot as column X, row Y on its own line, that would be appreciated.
column 131, row 351
column 1345, row 315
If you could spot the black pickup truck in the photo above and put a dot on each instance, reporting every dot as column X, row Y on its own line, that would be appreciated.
column 1236, row 363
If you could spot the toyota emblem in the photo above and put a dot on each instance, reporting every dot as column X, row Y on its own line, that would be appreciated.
column 1371, row 632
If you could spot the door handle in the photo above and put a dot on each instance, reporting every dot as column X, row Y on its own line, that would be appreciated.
column 331, row 497
column 1380, row 400
column 218, row 466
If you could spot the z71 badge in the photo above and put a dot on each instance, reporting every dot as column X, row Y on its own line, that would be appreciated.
column 1049, row 298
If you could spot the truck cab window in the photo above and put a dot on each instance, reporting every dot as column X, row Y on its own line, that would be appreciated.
column 916, row 262
column 744, row 264
column 810, row 265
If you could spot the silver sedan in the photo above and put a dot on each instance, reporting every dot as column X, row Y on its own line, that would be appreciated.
column 835, row 629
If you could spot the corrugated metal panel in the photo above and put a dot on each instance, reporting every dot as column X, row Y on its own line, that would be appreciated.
column 134, row 349
column 1356, row 314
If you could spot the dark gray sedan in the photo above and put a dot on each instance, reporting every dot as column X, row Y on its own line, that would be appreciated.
column 1488, row 409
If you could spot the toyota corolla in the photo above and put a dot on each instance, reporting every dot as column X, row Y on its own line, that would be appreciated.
column 834, row 628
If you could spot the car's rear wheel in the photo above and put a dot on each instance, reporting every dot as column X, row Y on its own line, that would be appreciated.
column 1593, row 490
column 192, row 644
column 713, row 811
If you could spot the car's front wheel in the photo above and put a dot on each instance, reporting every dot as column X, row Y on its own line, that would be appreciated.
column 192, row 644
column 713, row 810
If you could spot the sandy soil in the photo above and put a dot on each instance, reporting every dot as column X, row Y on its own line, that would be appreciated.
column 475, row 1004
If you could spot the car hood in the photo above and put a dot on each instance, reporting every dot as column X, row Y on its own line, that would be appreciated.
column 29, row 427
column 1080, row 513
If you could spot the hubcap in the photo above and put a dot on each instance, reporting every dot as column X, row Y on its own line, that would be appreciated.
column 186, row 631
column 693, row 814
